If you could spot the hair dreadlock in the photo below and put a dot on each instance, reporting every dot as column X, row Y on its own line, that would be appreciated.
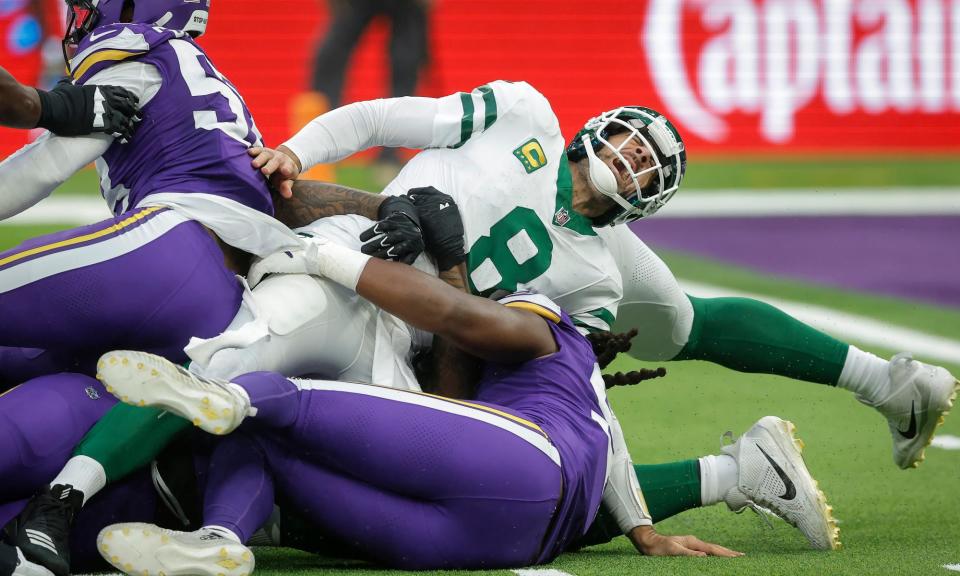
column 606, row 346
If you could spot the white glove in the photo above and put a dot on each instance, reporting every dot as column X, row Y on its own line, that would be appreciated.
column 320, row 257
column 286, row 262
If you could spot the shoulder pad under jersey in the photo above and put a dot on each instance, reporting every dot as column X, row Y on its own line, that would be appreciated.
column 108, row 45
column 536, row 303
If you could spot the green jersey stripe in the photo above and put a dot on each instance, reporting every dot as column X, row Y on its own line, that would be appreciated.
column 594, row 324
column 489, row 106
column 605, row 315
column 466, row 122
column 602, row 314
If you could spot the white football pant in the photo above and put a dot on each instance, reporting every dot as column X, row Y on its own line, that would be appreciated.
column 299, row 325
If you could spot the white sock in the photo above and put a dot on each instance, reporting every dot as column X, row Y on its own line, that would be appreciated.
column 251, row 410
column 225, row 532
column 866, row 375
column 718, row 475
column 84, row 474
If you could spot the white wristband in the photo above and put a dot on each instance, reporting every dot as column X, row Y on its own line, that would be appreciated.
column 338, row 263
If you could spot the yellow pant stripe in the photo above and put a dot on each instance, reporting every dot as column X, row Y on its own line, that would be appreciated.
column 520, row 427
column 81, row 239
column 488, row 409
column 10, row 390
column 500, row 413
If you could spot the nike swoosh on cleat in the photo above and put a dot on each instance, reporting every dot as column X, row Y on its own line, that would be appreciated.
column 791, row 489
column 911, row 431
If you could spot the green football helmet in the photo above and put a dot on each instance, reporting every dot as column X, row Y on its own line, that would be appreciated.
column 657, row 134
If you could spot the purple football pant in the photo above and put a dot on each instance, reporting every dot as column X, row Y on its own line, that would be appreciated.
column 40, row 423
column 17, row 365
column 409, row 480
column 148, row 279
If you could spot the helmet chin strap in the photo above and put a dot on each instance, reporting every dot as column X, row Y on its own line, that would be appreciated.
column 601, row 175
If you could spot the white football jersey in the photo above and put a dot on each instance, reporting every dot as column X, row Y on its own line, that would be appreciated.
column 507, row 171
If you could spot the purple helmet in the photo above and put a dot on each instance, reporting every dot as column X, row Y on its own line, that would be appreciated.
column 85, row 15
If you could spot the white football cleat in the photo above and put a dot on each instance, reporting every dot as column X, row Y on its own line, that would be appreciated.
column 772, row 475
column 148, row 550
column 143, row 379
column 919, row 398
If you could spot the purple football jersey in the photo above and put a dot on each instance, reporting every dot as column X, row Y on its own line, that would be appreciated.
column 195, row 132
column 556, row 393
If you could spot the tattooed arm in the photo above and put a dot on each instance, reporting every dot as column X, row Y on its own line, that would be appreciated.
column 313, row 200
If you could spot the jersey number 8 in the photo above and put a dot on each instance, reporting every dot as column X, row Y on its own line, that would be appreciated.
column 517, row 250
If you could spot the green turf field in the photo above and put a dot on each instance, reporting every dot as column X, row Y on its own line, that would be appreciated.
column 891, row 521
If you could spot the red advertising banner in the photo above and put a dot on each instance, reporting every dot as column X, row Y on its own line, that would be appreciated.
column 736, row 76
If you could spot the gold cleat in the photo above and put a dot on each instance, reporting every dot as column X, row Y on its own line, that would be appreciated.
column 773, row 475
column 915, row 404
column 145, row 550
column 212, row 405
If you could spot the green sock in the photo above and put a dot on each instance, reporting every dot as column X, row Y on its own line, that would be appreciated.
column 669, row 489
column 751, row 336
column 128, row 438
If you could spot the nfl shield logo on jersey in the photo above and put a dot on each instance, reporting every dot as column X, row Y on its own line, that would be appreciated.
column 561, row 217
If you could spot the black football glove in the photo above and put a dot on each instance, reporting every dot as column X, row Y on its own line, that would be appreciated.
column 396, row 236
column 70, row 110
column 441, row 224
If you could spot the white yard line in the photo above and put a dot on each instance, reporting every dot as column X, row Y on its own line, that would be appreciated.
column 63, row 210
column 946, row 441
column 954, row 567
column 687, row 204
column 825, row 202
column 859, row 329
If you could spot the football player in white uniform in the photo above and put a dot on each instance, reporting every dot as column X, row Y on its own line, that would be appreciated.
column 538, row 212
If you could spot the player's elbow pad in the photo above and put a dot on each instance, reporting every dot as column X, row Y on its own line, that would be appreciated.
column 623, row 497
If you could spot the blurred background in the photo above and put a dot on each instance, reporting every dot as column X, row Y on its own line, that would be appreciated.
column 824, row 177
column 823, row 135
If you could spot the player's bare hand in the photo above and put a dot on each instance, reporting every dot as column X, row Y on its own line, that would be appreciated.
column 648, row 542
column 280, row 166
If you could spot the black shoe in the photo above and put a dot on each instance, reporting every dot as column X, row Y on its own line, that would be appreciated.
column 12, row 563
column 9, row 559
column 43, row 528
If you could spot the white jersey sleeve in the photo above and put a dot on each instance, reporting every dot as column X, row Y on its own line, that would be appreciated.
column 413, row 122
column 31, row 174
column 36, row 170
